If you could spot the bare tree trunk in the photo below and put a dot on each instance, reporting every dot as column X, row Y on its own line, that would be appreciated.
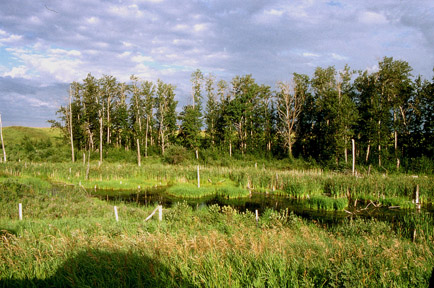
column 354, row 156
column 379, row 155
column 70, row 126
column 108, row 120
column 396, row 142
column 346, row 151
column 138, row 153
column 367, row 153
column 162, row 143
column 100, row 137
column 289, row 145
column 88, row 165
column 146, row 137
column 1, row 136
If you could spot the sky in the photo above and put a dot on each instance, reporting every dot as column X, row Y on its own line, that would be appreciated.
column 47, row 44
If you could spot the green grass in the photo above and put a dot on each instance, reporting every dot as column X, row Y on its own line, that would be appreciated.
column 392, row 190
column 14, row 135
column 188, row 190
column 321, row 202
column 70, row 239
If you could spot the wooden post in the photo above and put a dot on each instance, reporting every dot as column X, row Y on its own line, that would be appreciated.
column 160, row 213
column 198, row 177
column 257, row 217
column 354, row 156
column 417, row 197
column 1, row 136
column 20, row 211
column 116, row 213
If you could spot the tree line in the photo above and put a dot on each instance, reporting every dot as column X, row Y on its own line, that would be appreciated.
column 389, row 113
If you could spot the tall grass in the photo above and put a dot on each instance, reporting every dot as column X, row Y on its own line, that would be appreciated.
column 73, row 240
column 392, row 190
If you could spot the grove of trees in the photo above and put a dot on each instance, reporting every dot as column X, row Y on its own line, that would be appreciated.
column 389, row 113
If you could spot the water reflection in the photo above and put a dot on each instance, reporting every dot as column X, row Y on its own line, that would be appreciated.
column 260, row 202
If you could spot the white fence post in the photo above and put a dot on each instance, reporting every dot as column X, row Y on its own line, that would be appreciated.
column 116, row 213
column 198, row 177
column 20, row 211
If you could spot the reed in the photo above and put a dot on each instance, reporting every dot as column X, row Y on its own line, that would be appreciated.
column 71, row 239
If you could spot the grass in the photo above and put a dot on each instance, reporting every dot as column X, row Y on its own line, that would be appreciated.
column 14, row 135
column 68, row 239
column 392, row 190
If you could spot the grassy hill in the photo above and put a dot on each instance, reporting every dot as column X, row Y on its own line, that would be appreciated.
column 27, row 143
column 14, row 135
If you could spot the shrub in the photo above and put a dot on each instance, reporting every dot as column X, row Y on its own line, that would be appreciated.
column 175, row 154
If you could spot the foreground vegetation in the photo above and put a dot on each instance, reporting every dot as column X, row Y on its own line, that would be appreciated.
column 69, row 239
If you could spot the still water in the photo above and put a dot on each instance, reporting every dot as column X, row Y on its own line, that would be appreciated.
column 260, row 202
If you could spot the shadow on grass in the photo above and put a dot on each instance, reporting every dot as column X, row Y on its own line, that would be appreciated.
column 95, row 268
column 7, row 232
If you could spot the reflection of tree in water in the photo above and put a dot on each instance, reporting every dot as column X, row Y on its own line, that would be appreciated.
column 96, row 268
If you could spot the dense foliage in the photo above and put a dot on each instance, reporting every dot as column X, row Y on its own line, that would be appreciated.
column 389, row 114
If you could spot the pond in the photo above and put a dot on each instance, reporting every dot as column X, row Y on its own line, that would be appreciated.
column 261, row 202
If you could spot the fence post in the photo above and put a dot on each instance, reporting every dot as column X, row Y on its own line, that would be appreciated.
column 257, row 217
column 20, row 211
column 160, row 213
column 116, row 213
column 417, row 197
column 198, row 177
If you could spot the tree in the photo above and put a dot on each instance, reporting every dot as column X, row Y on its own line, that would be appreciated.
column 394, row 80
column 136, row 113
column 166, row 113
column 336, row 112
column 211, row 109
column 109, row 84
column 290, row 102
column 148, row 91
column 193, row 115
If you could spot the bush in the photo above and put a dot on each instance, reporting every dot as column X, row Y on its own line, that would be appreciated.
column 175, row 154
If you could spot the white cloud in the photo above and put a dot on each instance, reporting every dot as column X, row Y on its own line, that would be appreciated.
column 141, row 58
column 11, row 38
column 126, row 11
column 18, row 72
column 309, row 54
column 72, row 53
column 35, row 102
column 50, row 65
column 371, row 18
column 92, row 20
column 338, row 57
column 200, row 27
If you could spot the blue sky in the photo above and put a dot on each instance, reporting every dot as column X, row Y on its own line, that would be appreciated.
column 46, row 44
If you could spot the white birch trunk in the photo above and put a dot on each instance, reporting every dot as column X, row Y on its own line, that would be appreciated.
column 138, row 152
column 70, row 126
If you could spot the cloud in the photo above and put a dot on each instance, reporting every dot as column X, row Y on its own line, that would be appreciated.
column 309, row 54
column 170, row 39
column 18, row 72
column 50, row 65
column 338, row 57
column 372, row 18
